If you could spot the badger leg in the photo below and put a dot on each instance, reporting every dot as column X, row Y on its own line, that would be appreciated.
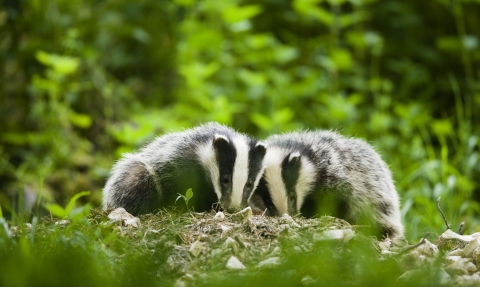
column 131, row 186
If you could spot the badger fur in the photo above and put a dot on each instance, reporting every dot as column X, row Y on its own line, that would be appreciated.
column 218, row 163
column 322, row 172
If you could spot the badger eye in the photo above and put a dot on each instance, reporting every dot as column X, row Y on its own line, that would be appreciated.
column 225, row 179
column 249, row 184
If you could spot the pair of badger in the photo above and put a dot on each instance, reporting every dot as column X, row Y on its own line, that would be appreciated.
column 309, row 172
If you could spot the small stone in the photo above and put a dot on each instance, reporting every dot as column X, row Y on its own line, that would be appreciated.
column 450, row 240
column 234, row 263
column 468, row 280
column 336, row 234
column 471, row 246
column 225, row 228
column 399, row 242
column 385, row 244
column 231, row 243
column 120, row 214
column 462, row 266
column 456, row 252
column 288, row 219
column 242, row 216
column 428, row 249
column 476, row 256
column 413, row 259
column 219, row 215
column 196, row 248
column 269, row 263
column 62, row 223
column 475, row 235
column 451, row 259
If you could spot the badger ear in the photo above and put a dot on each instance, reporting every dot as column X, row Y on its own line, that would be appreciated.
column 218, row 138
column 260, row 150
column 220, row 143
column 294, row 160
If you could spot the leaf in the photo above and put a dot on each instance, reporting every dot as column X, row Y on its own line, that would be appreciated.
column 236, row 14
column 61, row 64
column 189, row 194
column 311, row 8
column 180, row 196
column 71, row 203
column 342, row 59
column 83, row 121
column 56, row 210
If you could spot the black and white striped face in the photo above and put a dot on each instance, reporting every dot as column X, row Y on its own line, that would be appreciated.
column 234, row 167
column 256, row 154
column 287, row 180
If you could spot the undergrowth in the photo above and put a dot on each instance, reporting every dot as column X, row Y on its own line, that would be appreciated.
column 94, row 251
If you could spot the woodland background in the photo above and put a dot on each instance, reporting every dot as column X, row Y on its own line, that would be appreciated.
column 83, row 81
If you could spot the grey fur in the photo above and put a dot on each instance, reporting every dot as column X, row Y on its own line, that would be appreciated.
column 328, row 166
column 212, row 159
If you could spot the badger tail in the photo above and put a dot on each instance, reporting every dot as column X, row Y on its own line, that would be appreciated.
column 133, row 186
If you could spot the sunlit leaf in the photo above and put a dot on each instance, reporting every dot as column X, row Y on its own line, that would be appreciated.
column 189, row 194
column 342, row 59
column 56, row 210
column 442, row 127
column 61, row 64
column 235, row 13
column 80, row 120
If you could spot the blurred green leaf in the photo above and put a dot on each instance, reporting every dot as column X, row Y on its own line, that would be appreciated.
column 442, row 127
column 236, row 14
column 83, row 121
column 342, row 59
column 311, row 8
column 61, row 64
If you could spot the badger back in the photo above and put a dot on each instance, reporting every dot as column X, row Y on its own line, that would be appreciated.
column 218, row 163
column 324, row 172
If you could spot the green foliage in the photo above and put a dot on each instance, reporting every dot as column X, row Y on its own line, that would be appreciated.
column 85, row 81
column 69, row 211
column 186, row 197
column 96, row 252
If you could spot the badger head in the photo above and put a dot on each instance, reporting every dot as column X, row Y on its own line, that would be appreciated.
column 286, row 181
column 235, row 166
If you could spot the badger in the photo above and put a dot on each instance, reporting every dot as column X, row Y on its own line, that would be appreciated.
column 219, row 164
column 321, row 172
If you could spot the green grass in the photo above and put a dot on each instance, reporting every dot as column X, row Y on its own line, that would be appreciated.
column 96, row 252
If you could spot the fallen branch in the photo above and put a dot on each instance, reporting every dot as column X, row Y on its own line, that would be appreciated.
column 408, row 248
column 441, row 212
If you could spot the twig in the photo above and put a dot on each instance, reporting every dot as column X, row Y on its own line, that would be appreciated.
column 263, row 213
column 408, row 248
column 460, row 229
column 443, row 215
